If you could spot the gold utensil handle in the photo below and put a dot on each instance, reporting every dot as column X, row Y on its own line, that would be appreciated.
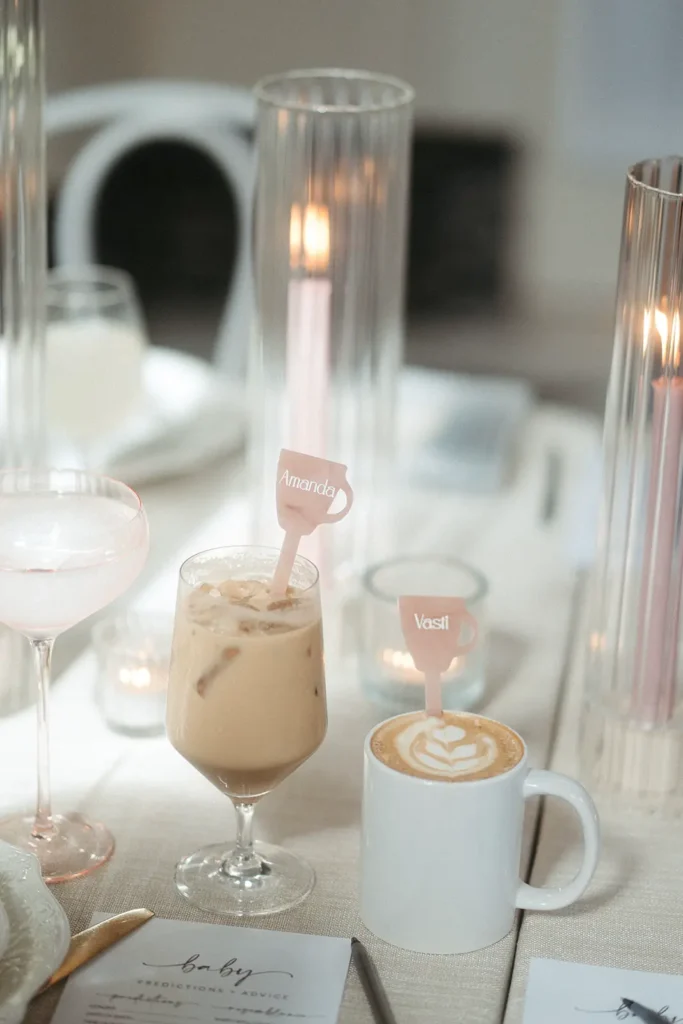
column 88, row 944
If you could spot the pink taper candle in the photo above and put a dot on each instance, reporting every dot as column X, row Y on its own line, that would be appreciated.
column 308, row 328
column 656, row 660
column 308, row 343
column 308, row 339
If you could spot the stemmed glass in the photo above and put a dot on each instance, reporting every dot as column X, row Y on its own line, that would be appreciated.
column 70, row 543
column 96, row 342
column 246, row 707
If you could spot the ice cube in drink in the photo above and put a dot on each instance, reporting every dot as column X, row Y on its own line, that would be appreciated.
column 246, row 702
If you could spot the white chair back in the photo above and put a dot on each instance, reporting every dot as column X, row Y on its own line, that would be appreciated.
column 213, row 119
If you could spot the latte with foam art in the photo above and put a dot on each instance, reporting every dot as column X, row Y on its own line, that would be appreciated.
column 456, row 747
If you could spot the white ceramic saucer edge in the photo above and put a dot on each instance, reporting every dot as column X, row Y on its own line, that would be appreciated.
column 194, row 414
column 39, row 932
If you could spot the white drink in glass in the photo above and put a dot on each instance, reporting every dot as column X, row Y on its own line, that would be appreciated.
column 60, row 559
column 94, row 376
column 70, row 543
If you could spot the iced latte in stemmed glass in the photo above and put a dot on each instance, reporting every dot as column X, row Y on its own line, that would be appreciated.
column 246, row 707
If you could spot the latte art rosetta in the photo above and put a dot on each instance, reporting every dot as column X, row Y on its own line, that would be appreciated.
column 457, row 747
column 445, row 750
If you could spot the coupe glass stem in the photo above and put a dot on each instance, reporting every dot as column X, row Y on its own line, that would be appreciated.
column 242, row 861
column 42, row 653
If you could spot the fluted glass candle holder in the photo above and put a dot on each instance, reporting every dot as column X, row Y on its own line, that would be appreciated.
column 632, row 737
column 330, row 244
column 23, row 269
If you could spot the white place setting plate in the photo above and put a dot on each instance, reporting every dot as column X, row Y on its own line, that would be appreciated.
column 189, row 415
column 37, row 932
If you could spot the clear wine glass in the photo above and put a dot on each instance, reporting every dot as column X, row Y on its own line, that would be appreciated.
column 246, row 707
column 95, row 341
column 70, row 543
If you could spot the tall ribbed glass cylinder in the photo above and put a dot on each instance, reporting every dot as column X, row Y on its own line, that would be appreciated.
column 23, row 267
column 633, row 724
column 333, row 152
column 23, row 219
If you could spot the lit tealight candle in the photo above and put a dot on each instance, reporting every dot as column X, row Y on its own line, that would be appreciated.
column 133, row 655
column 399, row 665
column 142, row 680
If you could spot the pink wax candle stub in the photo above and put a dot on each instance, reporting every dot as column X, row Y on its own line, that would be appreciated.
column 656, row 656
column 436, row 630
column 307, row 488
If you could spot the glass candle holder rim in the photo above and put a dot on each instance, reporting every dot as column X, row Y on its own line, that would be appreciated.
column 48, row 471
column 255, row 549
column 636, row 171
column 370, row 585
column 107, row 632
column 404, row 93
column 112, row 281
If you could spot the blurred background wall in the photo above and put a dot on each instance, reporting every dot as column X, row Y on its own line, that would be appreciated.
column 513, row 67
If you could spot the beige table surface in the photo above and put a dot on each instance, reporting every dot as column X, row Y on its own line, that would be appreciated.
column 632, row 915
column 159, row 807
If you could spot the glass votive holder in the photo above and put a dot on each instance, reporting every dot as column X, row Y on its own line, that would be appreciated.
column 133, row 655
column 388, row 674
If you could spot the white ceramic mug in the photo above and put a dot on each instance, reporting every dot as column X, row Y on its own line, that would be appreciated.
column 440, row 860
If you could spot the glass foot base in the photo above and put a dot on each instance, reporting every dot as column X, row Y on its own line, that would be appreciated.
column 282, row 881
column 72, row 848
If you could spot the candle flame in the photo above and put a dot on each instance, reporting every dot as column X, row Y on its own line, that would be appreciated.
column 676, row 339
column 403, row 662
column 669, row 335
column 398, row 659
column 369, row 167
column 137, row 678
column 309, row 237
column 662, row 328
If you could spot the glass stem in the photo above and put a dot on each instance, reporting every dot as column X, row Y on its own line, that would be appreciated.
column 243, row 862
column 42, row 653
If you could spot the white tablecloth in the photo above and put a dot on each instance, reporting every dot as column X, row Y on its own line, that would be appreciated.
column 632, row 916
column 159, row 807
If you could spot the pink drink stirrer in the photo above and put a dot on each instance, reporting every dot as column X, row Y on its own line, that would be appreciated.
column 431, row 628
column 306, row 488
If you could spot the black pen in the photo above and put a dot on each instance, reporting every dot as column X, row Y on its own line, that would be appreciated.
column 552, row 486
column 642, row 1013
column 369, row 979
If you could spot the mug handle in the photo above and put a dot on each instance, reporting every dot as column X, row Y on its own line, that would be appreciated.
column 543, row 783
column 466, row 618
column 336, row 516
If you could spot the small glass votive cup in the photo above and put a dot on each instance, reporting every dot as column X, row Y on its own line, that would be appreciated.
column 133, row 656
column 388, row 675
